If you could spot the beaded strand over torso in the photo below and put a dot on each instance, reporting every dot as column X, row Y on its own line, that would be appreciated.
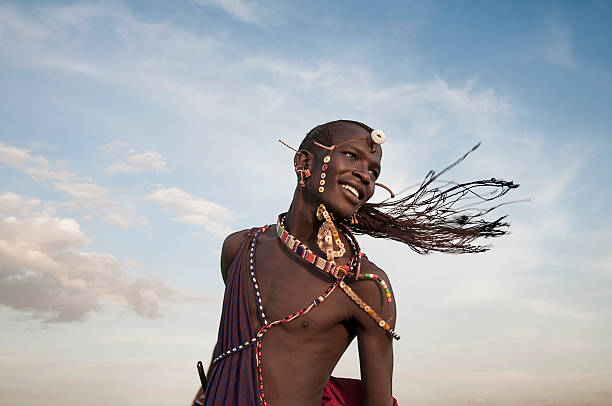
column 338, row 272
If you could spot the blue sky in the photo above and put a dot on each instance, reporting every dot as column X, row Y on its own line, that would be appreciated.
column 135, row 135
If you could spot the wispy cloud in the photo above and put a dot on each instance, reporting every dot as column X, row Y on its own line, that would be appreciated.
column 559, row 48
column 96, row 200
column 90, row 198
column 131, row 160
column 195, row 210
column 241, row 9
column 37, row 166
column 554, row 44
column 173, row 68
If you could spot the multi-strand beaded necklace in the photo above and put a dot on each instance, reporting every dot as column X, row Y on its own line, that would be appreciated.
column 339, row 272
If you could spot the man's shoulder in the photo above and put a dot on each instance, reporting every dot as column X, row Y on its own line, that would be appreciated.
column 233, row 241
column 372, row 292
column 231, row 245
column 367, row 266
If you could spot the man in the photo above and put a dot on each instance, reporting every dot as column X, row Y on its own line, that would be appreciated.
column 298, row 292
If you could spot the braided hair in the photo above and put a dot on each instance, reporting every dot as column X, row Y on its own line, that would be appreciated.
column 446, row 217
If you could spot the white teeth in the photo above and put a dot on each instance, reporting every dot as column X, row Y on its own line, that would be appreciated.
column 350, row 189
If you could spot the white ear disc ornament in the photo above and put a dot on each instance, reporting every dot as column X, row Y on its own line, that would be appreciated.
column 378, row 136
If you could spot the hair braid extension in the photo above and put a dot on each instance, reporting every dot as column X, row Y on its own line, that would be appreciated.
column 447, row 218
column 430, row 219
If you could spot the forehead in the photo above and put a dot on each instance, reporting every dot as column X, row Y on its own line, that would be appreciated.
column 357, row 137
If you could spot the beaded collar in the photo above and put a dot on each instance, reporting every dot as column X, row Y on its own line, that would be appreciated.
column 301, row 250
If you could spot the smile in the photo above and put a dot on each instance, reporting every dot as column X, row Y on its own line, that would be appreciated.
column 350, row 189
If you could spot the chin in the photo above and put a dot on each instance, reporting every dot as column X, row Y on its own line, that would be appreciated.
column 340, row 211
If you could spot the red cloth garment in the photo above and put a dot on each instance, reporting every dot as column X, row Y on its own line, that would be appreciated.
column 343, row 392
column 337, row 392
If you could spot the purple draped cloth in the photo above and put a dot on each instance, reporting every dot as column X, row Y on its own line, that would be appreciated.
column 233, row 380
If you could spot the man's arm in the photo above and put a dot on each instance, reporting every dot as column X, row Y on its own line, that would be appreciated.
column 375, row 346
column 231, row 245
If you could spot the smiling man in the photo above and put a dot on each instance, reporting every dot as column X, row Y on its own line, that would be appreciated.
column 299, row 291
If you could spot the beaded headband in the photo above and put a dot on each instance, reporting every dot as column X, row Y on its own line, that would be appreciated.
column 377, row 137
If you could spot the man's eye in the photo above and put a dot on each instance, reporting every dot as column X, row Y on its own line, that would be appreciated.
column 374, row 173
column 350, row 155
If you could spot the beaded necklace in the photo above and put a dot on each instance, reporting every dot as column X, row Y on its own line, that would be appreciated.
column 339, row 272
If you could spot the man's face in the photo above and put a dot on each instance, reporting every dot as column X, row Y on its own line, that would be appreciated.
column 352, row 171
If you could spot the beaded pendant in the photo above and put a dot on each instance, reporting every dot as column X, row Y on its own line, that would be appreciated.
column 327, row 235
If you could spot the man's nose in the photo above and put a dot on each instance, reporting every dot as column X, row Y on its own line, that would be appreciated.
column 363, row 175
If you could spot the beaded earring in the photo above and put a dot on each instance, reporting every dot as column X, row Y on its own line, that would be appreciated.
column 304, row 174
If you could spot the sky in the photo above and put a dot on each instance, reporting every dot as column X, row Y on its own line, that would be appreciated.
column 134, row 136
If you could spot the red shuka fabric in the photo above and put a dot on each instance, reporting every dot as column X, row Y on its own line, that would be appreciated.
column 343, row 392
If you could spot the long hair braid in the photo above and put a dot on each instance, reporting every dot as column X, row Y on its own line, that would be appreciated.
column 447, row 218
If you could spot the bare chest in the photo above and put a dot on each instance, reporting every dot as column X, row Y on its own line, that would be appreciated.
column 288, row 286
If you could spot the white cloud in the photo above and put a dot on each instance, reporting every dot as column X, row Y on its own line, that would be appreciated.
column 36, row 145
column 10, row 203
column 113, row 146
column 137, row 162
column 94, row 199
column 241, row 9
column 82, row 191
column 131, row 160
column 36, row 166
column 172, row 67
column 119, row 219
column 44, row 274
column 194, row 210
column 87, row 197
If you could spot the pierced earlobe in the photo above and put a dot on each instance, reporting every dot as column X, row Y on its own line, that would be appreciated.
column 304, row 174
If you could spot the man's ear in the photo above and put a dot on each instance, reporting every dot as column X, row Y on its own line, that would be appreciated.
column 304, row 159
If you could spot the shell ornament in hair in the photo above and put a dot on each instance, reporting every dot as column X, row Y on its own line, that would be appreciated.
column 378, row 137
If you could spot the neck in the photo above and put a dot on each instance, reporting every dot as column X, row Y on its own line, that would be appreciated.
column 301, row 218
column 301, row 222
